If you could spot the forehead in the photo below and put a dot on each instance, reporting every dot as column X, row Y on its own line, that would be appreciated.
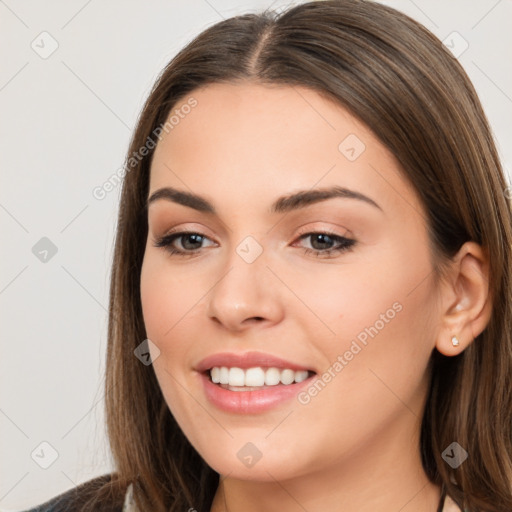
column 259, row 140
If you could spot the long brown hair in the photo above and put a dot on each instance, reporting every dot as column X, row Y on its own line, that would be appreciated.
column 398, row 79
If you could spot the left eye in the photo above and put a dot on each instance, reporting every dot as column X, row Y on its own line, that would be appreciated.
column 319, row 241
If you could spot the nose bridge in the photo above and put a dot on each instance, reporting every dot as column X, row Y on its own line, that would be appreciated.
column 244, row 290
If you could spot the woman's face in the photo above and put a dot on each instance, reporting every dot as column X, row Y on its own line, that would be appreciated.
column 256, row 277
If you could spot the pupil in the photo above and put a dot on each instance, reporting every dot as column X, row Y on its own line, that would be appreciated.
column 195, row 239
column 326, row 239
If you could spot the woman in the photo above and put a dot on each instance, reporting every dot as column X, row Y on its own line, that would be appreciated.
column 314, row 253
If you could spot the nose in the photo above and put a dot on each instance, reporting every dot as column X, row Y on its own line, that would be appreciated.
column 246, row 294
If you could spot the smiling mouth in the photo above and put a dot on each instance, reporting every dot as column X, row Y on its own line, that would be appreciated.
column 256, row 378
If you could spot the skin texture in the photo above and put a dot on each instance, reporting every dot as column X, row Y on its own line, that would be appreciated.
column 354, row 446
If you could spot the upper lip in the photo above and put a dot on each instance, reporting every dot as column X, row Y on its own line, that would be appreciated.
column 246, row 360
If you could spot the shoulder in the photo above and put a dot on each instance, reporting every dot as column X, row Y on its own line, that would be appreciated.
column 78, row 496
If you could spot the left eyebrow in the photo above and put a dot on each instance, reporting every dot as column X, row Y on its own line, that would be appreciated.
column 306, row 197
column 283, row 204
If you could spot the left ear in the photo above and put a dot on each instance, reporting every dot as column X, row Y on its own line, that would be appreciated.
column 465, row 300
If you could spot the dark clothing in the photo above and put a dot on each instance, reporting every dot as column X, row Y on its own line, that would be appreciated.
column 73, row 499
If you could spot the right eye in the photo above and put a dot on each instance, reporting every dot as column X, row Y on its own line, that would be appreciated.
column 189, row 242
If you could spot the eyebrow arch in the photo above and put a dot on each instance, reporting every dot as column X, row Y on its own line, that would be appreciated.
column 283, row 204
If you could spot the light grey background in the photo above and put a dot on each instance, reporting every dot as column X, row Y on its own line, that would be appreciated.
column 66, row 121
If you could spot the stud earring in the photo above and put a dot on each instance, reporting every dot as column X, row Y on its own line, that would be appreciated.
column 455, row 341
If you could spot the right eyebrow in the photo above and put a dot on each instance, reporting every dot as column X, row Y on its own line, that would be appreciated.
column 181, row 197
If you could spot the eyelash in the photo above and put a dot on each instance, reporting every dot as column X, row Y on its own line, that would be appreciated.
column 345, row 244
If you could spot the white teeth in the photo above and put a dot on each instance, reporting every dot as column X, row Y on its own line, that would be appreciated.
column 223, row 375
column 300, row 376
column 272, row 377
column 236, row 377
column 287, row 376
column 215, row 374
column 256, row 377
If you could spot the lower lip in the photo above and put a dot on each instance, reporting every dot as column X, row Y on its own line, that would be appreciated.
column 248, row 402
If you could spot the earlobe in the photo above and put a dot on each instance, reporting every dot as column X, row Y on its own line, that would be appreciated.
column 466, row 303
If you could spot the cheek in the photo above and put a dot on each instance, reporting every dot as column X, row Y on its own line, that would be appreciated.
column 377, row 315
column 167, row 309
column 352, row 301
column 169, row 298
column 376, row 365
column 168, row 312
